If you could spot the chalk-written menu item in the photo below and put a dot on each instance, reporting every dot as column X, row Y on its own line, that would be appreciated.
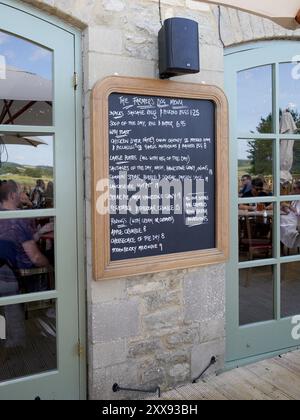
column 162, row 161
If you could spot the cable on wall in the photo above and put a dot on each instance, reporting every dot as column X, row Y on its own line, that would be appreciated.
column 160, row 14
column 219, row 27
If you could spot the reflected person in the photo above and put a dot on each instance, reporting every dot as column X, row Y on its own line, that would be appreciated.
column 38, row 195
column 290, row 221
column 246, row 186
column 21, row 235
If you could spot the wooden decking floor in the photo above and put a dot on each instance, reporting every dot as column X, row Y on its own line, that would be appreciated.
column 273, row 379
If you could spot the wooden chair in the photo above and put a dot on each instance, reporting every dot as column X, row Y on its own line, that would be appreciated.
column 257, row 242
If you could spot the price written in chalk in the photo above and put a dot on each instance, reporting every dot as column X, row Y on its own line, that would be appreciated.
column 157, row 147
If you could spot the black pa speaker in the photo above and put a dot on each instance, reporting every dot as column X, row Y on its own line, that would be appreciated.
column 178, row 42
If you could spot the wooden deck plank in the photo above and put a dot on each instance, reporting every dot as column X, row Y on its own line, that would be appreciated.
column 259, row 384
column 281, row 377
column 289, row 364
column 292, row 357
column 201, row 392
column 273, row 379
column 238, row 388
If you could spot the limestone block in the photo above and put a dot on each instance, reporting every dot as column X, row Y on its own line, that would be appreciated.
column 202, row 354
column 105, row 40
column 114, row 5
column 103, row 292
column 163, row 320
column 102, row 380
column 204, row 294
column 101, row 66
column 117, row 320
column 143, row 347
column 109, row 354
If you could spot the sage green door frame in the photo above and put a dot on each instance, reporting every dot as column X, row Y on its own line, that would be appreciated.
column 69, row 380
column 248, row 343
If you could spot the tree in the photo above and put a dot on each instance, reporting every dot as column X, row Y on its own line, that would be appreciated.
column 261, row 151
column 33, row 172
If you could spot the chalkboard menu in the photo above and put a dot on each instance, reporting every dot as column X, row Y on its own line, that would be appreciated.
column 153, row 139
column 160, row 176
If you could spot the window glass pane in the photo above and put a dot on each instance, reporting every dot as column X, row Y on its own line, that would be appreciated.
column 255, row 108
column 28, row 161
column 290, row 226
column 255, row 231
column 256, row 295
column 289, row 98
column 289, row 166
column 290, row 289
column 255, row 168
column 26, row 256
column 27, row 339
column 26, row 82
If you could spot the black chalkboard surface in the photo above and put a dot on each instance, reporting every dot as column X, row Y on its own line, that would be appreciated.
column 160, row 139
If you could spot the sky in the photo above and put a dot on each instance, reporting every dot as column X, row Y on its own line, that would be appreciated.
column 25, row 55
column 255, row 97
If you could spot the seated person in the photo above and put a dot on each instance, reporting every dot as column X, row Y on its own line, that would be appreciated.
column 49, row 195
column 21, row 233
column 25, row 202
column 38, row 195
column 257, row 190
column 246, row 186
column 290, row 221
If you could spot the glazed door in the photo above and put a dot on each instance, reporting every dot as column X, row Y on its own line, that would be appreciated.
column 39, row 321
column 263, row 277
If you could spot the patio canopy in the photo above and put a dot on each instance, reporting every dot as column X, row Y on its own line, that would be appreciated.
column 283, row 12
column 21, row 85
column 25, row 98
column 20, row 140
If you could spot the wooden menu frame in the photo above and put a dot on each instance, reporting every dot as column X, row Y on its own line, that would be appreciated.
column 103, row 267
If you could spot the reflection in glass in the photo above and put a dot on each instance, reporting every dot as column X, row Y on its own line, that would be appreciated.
column 28, row 161
column 26, row 88
column 26, row 256
column 290, row 289
column 255, row 231
column 255, row 163
column 256, row 295
column 27, row 339
column 289, row 165
column 254, row 113
column 290, row 225
column 289, row 98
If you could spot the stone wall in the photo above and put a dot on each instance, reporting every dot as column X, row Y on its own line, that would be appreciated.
column 157, row 329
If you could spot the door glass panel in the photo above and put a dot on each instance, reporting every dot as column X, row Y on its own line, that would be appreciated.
column 289, row 166
column 255, row 231
column 266, row 133
column 290, row 227
column 27, row 339
column 27, row 256
column 256, row 295
column 26, row 82
column 27, row 162
column 255, row 108
column 290, row 289
column 255, row 168
column 289, row 98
